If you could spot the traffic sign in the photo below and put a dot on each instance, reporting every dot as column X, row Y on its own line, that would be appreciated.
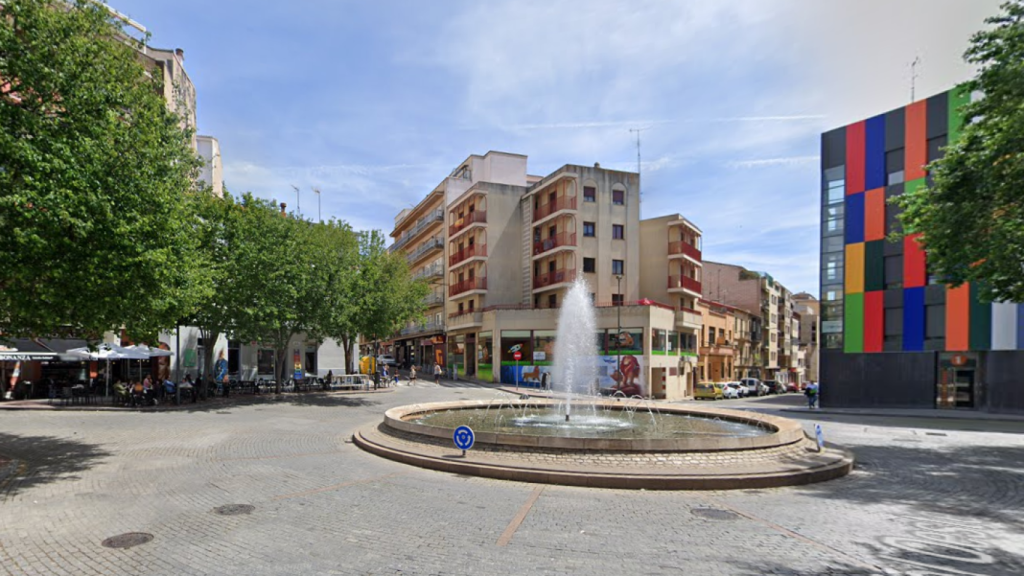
column 517, row 355
column 463, row 438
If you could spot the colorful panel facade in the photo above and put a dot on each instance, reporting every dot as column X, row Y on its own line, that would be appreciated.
column 873, row 161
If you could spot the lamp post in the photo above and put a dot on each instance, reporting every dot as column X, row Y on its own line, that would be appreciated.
column 318, row 216
column 618, row 329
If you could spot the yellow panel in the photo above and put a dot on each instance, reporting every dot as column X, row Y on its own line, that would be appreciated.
column 855, row 268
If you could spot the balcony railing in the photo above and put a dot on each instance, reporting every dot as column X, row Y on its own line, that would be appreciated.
column 467, row 285
column 464, row 222
column 563, row 239
column 461, row 318
column 467, row 253
column 424, row 328
column 421, row 225
column 562, row 203
column 430, row 272
column 433, row 299
column 424, row 249
column 555, row 277
column 685, row 282
column 680, row 247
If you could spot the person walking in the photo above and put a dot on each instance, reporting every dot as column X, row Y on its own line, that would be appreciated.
column 437, row 373
column 812, row 395
column 412, row 374
column 384, row 375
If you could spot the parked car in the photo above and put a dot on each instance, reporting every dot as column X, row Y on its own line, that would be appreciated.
column 386, row 359
column 708, row 391
column 793, row 387
column 733, row 390
column 754, row 387
column 773, row 387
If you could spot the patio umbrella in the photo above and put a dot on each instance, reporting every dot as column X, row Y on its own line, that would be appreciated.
column 105, row 352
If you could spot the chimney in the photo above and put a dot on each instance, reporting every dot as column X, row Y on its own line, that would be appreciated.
column 180, row 54
column 283, row 206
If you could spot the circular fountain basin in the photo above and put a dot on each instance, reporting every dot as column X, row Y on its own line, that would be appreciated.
column 622, row 444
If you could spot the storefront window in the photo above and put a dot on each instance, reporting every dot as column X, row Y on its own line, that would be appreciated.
column 264, row 361
column 457, row 353
column 512, row 338
column 484, row 357
column 629, row 341
column 543, row 347
column 658, row 341
column 673, row 343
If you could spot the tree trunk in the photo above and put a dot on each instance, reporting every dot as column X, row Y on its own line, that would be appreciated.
column 346, row 343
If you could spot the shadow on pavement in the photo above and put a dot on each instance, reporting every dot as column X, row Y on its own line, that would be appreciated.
column 44, row 459
column 979, row 484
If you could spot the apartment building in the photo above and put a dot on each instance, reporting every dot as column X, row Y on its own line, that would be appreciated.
column 717, row 355
column 513, row 243
column 893, row 334
column 808, row 308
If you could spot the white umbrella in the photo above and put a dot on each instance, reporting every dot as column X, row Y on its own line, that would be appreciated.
column 106, row 352
column 149, row 351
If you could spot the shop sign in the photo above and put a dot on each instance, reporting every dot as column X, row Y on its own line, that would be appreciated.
column 539, row 356
column 438, row 339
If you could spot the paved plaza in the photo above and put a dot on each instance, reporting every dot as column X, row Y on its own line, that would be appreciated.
column 928, row 497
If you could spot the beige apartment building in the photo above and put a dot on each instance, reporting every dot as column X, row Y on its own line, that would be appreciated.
column 513, row 243
column 717, row 345
column 808, row 307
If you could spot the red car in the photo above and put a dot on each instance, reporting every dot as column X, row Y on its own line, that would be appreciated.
column 793, row 387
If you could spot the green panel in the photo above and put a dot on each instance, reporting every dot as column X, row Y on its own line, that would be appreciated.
column 957, row 97
column 853, row 323
column 981, row 322
column 874, row 266
column 911, row 186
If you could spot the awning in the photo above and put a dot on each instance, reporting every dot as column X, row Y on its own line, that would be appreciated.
column 18, row 356
column 36, row 349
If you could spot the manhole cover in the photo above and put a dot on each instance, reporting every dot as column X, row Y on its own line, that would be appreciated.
column 127, row 540
column 234, row 509
column 715, row 514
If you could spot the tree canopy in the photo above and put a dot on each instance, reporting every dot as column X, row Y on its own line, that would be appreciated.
column 94, row 177
column 971, row 214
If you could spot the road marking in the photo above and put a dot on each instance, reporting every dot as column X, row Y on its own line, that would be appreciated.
column 335, row 487
column 510, row 531
column 800, row 537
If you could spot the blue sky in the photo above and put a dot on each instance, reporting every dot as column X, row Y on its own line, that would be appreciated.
column 375, row 102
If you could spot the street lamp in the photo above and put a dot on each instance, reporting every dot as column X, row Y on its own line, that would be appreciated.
column 318, row 216
column 618, row 329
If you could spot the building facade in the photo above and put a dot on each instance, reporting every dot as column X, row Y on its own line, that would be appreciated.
column 513, row 244
column 893, row 334
column 212, row 172
column 808, row 309
column 717, row 354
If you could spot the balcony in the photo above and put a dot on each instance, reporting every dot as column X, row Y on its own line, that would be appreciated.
column 432, row 300
column 477, row 217
column 555, row 277
column 431, row 272
column 680, row 247
column 425, row 328
column 459, row 320
column 684, row 283
column 716, row 350
column 467, row 285
column 426, row 248
column 545, row 210
column 687, row 318
column 556, row 241
column 435, row 217
column 467, row 253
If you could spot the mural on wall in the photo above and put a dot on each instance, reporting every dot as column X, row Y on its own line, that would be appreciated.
column 609, row 379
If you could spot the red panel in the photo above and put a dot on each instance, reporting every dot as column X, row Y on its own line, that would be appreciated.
column 916, row 141
column 874, row 214
column 855, row 146
column 958, row 318
column 913, row 263
column 874, row 321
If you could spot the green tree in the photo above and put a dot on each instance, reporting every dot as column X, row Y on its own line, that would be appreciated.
column 94, row 176
column 972, row 213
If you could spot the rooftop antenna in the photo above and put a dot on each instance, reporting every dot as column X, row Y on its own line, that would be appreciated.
column 638, row 131
column 298, row 205
column 913, row 76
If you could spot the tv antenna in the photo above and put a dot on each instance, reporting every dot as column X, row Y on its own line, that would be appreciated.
column 638, row 131
column 913, row 76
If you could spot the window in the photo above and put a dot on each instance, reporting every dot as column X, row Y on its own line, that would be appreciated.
column 833, row 268
column 618, row 231
column 833, row 219
column 588, row 228
column 936, row 148
column 617, row 299
column 589, row 264
column 617, row 266
column 894, row 167
column 553, row 301
column 835, row 185
column 589, row 194
column 618, row 197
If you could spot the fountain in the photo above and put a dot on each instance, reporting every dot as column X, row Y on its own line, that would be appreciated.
column 578, row 437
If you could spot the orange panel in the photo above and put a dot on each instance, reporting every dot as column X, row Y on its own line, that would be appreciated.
column 874, row 214
column 916, row 141
column 855, row 268
column 958, row 318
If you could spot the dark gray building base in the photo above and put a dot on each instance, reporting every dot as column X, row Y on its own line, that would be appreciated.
column 991, row 381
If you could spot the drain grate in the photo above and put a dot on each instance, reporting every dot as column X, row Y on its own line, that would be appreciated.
column 715, row 514
column 234, row 509
column 127, row 540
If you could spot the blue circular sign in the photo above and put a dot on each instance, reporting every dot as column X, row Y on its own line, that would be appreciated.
column 463, row 437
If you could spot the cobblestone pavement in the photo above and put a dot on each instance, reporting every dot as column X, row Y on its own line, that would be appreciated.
column 928, row 499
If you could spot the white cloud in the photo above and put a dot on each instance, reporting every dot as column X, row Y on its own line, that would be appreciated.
column 769, row 162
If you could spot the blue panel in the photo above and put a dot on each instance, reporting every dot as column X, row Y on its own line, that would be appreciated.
column 913, row 319
column 854, row 218
column 874, row 157
column 1020, row 327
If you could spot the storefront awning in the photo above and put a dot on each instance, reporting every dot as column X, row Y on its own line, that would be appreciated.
column 37, row 349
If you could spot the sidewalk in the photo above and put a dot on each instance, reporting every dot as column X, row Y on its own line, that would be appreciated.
column 910, row 413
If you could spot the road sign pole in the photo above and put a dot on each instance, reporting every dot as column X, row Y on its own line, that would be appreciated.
column 517, row 374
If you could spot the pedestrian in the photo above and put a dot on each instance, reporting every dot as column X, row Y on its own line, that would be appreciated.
column 385, row 376
column 437, row 373
column 330, row 378
column 544, row 380
column 412, row 375
column 812, row 395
